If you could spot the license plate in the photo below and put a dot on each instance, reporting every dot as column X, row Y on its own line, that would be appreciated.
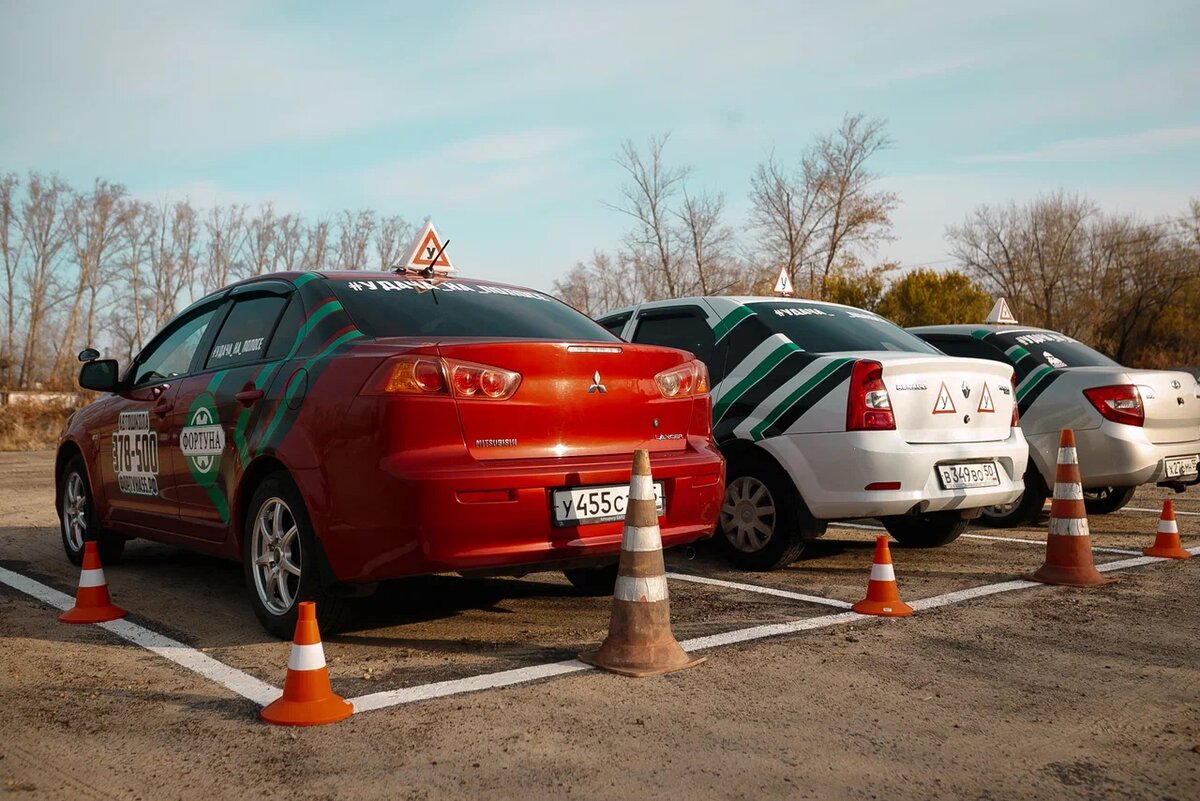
column 577, row 506
column 1183, row 466
column 964, row 476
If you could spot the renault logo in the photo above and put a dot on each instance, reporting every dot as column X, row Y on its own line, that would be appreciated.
column 1176, row 385
column 966, row 390
column 596, row 385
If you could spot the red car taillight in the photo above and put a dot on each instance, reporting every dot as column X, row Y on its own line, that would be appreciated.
column 684, row 380
column 1016, row 417
column 429, row 375
column 868, row 408
column 1121, row 403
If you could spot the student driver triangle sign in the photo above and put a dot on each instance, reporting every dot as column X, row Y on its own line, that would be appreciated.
column 784, row 285
column 944, row 404
column 986, row 404
column 427, row 250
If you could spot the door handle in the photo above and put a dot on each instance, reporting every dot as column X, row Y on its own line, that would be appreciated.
column 248, row 396
column 162, row 408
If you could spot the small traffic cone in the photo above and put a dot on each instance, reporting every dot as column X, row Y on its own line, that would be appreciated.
column 307, row 698
column 92, row 604
column 639, row 641
column 1068, row 542
column 883, row 596
column 1166, row 543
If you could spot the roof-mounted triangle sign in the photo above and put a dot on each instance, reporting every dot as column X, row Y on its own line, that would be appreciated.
column 784, row 285
column 1001, row 314
column 427, row 251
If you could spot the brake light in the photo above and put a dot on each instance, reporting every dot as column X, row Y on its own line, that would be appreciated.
column 413, row 375
column 1121, row 403
column 684, row 380
column 868, row 407
column 1016, row 417
column 481, row 381
column 430, row 375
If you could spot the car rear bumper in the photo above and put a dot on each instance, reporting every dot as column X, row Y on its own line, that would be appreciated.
column 472, row 516
column 1113, row 455
column 833, row 470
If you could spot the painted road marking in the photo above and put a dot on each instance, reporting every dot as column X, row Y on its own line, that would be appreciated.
column 1097, row 549
column 737, row 585
column 1154, row 511
column 185, row 656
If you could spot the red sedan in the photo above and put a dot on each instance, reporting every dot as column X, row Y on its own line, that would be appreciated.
column 333, row 430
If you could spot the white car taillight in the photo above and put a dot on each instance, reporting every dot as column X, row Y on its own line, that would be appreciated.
column 684, row 380
column 1016, row 417
column 1121, row 403
column 868, row 406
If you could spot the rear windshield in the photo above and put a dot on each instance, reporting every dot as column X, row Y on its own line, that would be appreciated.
column 832, row 329
column 1055, row 350
column 415, row 308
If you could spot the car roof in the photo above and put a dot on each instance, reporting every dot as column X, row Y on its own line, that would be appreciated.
column 357, row 275
column 968, row 329
column 735, row 299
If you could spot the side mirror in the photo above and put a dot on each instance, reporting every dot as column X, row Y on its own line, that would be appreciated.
column 100, row 375
column 89, row 355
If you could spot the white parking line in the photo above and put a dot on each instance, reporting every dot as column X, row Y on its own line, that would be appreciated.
column 1155, row 511
column 1096, row 549
column 736, row 585
column 241, row 683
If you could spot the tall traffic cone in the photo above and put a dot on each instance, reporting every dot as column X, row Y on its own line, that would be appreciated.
column 92, row 604
column 1166, row 543
column 639, row 641
column 307, row 698
column 883, row 596
column 1068, row 542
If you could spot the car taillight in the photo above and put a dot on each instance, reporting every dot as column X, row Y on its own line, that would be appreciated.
column 481, row 381
column 868, row 408
column 684, row 380
column 430, row 375
column 1121, row 403
column 412, row 375
column 1016, row 417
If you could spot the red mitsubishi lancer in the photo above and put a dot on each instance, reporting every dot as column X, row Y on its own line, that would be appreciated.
column 331, row 430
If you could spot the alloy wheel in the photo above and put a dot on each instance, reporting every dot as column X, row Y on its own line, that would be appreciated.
column 748, row 514
column 276, row 549
column 74, row 511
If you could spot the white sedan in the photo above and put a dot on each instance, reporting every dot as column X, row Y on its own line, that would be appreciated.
column 827, row 412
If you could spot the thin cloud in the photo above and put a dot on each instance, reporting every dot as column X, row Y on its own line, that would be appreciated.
column 1143, row 143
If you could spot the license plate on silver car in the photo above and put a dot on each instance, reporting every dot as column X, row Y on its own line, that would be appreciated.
column 1180, row 467
column 965, row 476
column 577, row 506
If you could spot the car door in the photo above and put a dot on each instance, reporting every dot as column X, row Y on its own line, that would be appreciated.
column 220, row 403
column 136, row 440
column 684, row 327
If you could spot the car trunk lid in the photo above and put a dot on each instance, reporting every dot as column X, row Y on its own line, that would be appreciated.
column 1170, row 403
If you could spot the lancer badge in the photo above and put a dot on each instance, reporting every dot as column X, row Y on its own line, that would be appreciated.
column 596, row 385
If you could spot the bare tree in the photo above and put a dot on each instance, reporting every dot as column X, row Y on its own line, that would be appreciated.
column 786, row 213
column 354, row 238
column 41, row 222
column 708, row 243
column 316, row 249
column 10, row 254
column 601, row 285
column 289, row 243
column 391, row 237
column 261, row 239
column 138, row 229
column 653, row 244
column 226, row 230
column 172, row 256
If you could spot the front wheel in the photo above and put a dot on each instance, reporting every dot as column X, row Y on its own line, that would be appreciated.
column 931, row 530
column 764, row 524
column 282, row 561
column 77, row 518
column 1105, row 500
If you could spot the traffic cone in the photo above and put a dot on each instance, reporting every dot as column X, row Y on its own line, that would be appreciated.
column 1166, row 543
column 639, row 641
column 92, row 604
column 307, row 698
column 883, row 597
column 1068, row 542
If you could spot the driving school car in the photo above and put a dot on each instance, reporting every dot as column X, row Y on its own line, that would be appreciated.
column 827, row 412
column 333, row 430
column 1131, row 426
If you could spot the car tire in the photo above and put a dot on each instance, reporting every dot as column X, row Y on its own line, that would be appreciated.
column 594, row 581
column 77, row 519
column 1106, row 500
column 764, row 523
column 283, row 562
column 1024, row 509
column 931, row 530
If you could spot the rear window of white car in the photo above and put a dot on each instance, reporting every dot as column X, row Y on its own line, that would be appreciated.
column 1054, row 349
column 415, row 308
column 833, row 329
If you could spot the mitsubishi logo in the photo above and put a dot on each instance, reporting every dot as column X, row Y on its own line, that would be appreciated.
column 966, row 390
column 596, row 385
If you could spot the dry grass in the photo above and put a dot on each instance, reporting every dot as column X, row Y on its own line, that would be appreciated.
column 32, row 426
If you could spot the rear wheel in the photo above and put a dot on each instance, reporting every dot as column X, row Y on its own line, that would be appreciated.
column 77, row 518
column 593, row 580
column 282, row 561
column 1024, row 509
column 764, row 524
column 1105, row 500
column 926, row 531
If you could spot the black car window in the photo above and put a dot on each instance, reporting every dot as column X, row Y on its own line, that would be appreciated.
column 682, row 327
column 288, row 329
column 616, row 323
column 1053, row 349
column 404, row 307
column 172, row 354
column 834, row 329
column 244, row 334
column 968, row 347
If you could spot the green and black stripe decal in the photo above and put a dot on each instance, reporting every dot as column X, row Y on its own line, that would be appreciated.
column 803, row 398
column 767, row 378
column 1038, row 375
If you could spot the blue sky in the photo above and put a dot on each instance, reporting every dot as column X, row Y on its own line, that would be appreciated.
column 501, row 120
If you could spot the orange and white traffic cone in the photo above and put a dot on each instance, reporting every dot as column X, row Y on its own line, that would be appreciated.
column 883, row 596
column 307, row 698
column 92, row 604
column 639, row 641
column 1068, row 542
column 1166, row 543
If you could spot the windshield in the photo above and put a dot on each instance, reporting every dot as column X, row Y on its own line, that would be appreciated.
column 832, row 329
column 410, row 308
column 1055, row 350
